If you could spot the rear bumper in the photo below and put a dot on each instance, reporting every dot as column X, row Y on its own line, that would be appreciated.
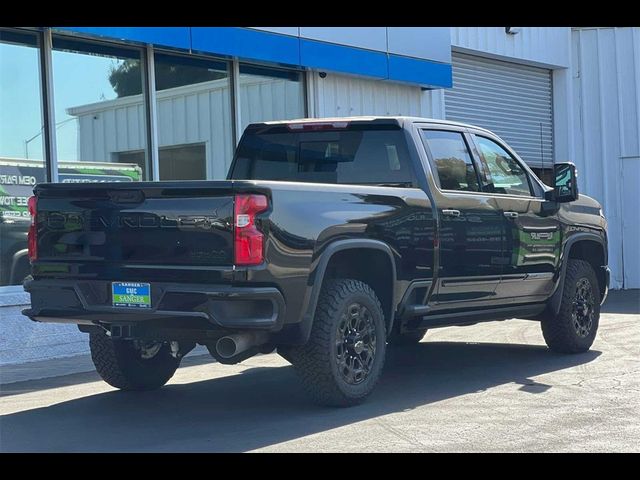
column 89, row 302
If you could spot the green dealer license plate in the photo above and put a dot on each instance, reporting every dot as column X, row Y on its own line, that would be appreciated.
column 131, row 294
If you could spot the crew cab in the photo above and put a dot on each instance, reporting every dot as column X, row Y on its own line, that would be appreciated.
column 330, row 241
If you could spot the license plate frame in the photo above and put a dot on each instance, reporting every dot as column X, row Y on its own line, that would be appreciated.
column 131, row 295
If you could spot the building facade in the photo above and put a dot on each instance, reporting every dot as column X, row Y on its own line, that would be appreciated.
column 175, row 100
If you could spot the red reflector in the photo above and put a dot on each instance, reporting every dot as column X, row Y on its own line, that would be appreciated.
column 315, row 126
column 32, row 236
column 249, row 241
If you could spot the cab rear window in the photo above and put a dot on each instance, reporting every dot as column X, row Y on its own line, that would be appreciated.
column 370, row 157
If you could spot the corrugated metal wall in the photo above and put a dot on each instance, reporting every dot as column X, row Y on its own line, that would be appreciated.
column 199, row 113
column 270, row 99
column 510, row 99
column 606, row 113
column 344, row 96
column 543, row 45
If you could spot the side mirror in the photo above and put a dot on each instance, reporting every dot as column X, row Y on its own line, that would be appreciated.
column 565, row 187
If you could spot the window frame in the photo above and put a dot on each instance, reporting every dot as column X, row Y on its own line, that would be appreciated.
column 14, row 257
column 168, row 56
column 89, row 42
column 434, row 168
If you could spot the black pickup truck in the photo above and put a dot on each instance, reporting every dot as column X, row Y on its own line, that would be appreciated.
column 329, row 241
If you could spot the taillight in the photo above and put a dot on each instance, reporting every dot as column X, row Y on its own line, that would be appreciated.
column 32, row 236
column 249, row 241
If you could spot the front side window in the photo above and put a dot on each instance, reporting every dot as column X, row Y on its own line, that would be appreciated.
column 452, row 161
column 507, row 175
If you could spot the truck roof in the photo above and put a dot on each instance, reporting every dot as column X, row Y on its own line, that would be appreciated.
column 369, row 118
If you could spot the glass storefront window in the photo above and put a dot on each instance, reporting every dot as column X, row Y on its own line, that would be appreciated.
column 195, row 133
column 21, row 147
column 270, row 94
column 99, row 112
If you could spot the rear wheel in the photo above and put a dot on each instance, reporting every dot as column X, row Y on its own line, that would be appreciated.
column 343, row 359
column 574, row 329
column 132, row 365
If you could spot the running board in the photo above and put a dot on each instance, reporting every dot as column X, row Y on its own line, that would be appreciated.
column 471, row 316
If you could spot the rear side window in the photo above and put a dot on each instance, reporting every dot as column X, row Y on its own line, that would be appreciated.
column 452, row 161
column 371, row 157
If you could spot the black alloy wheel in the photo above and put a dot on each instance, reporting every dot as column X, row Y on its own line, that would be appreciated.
column 355, row 344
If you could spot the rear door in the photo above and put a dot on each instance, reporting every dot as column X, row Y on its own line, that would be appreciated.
column 471, row 224
column 532, row 231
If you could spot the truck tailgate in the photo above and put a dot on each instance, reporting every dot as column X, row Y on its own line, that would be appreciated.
column 187, row 224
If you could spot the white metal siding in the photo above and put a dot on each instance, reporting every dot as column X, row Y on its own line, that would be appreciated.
column 606, row 115
column 512, row 100
column 199, row 113
column 269, row 99
column 343, row 96
column 542, row 45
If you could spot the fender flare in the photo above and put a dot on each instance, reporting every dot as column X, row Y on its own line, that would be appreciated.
column 554, row 302
column 316, row 279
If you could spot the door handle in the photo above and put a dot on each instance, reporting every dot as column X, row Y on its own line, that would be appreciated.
column 511, row 214
column 451, row 213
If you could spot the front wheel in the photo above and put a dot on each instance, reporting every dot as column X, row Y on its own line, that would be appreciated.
column 343, row 359
column 574, row 328
column 132, row 365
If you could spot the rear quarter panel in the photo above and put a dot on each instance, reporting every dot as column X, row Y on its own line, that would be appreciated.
column 305, row 218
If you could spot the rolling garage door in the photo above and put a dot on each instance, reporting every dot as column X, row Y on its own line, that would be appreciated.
column 510, row 99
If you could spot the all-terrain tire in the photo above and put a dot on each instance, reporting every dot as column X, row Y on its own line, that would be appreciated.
column 319, row 363
column 121, row 365
column 407, row 338
column 561, row 332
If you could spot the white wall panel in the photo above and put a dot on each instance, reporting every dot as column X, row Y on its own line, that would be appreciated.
column 631, row 222
column 421, row 42
column 372, row 38
column 542, row 45
column 198, row 113
column 606, row 109
column 343, row 96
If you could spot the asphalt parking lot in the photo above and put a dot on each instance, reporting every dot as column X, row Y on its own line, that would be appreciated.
column 488, row 387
